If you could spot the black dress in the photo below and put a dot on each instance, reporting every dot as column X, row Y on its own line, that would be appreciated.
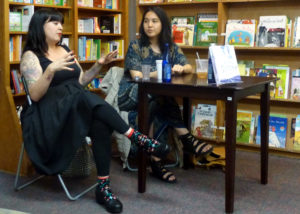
column 55, row 126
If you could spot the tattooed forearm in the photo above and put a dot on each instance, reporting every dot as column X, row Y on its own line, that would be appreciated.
column 90, row 74
column 30, row 68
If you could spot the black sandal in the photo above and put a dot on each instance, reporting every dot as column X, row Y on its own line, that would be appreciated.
column 188, row 141
column 159, row 171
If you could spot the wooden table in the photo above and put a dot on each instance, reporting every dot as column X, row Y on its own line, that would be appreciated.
column 188, row 86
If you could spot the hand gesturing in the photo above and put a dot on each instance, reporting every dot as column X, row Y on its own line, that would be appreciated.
column 63, row 63
column 110, row 57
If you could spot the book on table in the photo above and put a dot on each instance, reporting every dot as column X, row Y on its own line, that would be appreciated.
column 223, row 63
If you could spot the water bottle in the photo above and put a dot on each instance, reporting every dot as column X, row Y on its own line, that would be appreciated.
column 210, row 71
column 167, row 69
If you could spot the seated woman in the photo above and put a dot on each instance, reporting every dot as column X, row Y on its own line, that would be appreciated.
column 155, row 32
column 63, row 113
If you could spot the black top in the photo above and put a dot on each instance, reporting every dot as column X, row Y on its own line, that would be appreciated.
column 56, row 125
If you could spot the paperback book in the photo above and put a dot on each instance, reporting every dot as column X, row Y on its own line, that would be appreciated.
column 277, row 131
column 224, row 64
column 297, row 134
column 205, row 121
column 240, row 33
column 243, row 126
column 183, row 29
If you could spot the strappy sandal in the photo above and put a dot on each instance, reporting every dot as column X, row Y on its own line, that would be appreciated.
column 188, row 141
column 159, row 171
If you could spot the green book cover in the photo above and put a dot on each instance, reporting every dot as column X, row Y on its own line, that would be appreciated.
column 206, row 33
column 243, row 126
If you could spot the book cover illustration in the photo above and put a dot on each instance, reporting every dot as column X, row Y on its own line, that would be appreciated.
column 249, row 65
column 277, row 131
column 271, row 31
column 240, row 33
column 243, row 126
column 15, row 21
column 260, row 72
column 183, row 29
column 106, row 24
column 295, row 88
column 206, row 29
column 205, row 121
column 224, row 63
column 297, row 134
column 296, row 40
column 282, row 84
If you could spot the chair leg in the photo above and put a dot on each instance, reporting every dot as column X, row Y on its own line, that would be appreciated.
column 70, row 197
column 17, row 186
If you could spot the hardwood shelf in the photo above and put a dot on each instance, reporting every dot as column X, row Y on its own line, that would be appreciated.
column 100, row 34
column 99, row 9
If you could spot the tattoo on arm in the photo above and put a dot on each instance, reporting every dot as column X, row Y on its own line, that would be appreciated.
column 30, row 68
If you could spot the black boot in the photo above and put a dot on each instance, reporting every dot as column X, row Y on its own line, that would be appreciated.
column 151, row 146
column 104, row 196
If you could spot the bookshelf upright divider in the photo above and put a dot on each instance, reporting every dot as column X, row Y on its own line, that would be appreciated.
column 10, row 129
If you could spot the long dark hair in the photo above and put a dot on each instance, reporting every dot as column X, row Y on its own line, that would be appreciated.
column 36, row 39
column 165, row 35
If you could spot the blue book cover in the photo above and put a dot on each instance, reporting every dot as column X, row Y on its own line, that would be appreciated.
column 277, row 131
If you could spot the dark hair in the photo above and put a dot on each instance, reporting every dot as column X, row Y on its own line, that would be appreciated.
column 165, row 35
column 36, row 39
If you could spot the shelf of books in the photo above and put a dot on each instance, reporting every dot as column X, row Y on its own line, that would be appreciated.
column 91, row 28
column 266, row 38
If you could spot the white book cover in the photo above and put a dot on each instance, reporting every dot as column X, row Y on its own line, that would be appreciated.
column 27, row 12
column 271, row 31
column 296, row 40
column 205, row 121
column 240, row 34
column 224, row 63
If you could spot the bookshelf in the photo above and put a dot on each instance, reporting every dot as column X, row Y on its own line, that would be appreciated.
column 10, row 129
column 242, row 9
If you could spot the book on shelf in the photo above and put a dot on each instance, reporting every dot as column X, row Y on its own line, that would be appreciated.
column 296, row 39
column 253, row 128
column 297, row 134
column 292, row 132
column 272, row 31
column 205, row 121
column 65, row 41
column 17, row 83
column 27, row 12
column 106, row 24
column 248, row 65
column 243, row 126
column 295, row 85
column 277, row 131
column 15, row 21
column 268, row 72
column 15, row 47
column 183, row 29
column 150, row 1
column 223, row 64
column 206, row 29
column 240, row 32
column 282, row 84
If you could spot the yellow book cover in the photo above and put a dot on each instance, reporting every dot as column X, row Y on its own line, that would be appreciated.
column 243, row 126
column 88, row 49
column 297, row 134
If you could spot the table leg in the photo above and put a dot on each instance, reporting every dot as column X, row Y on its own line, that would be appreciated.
column 143, row 127
column 230, row 120
column 187, row 163
column 264, row 124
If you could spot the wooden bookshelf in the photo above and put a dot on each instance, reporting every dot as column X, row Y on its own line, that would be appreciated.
column 10, row 129
column 242, row 9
